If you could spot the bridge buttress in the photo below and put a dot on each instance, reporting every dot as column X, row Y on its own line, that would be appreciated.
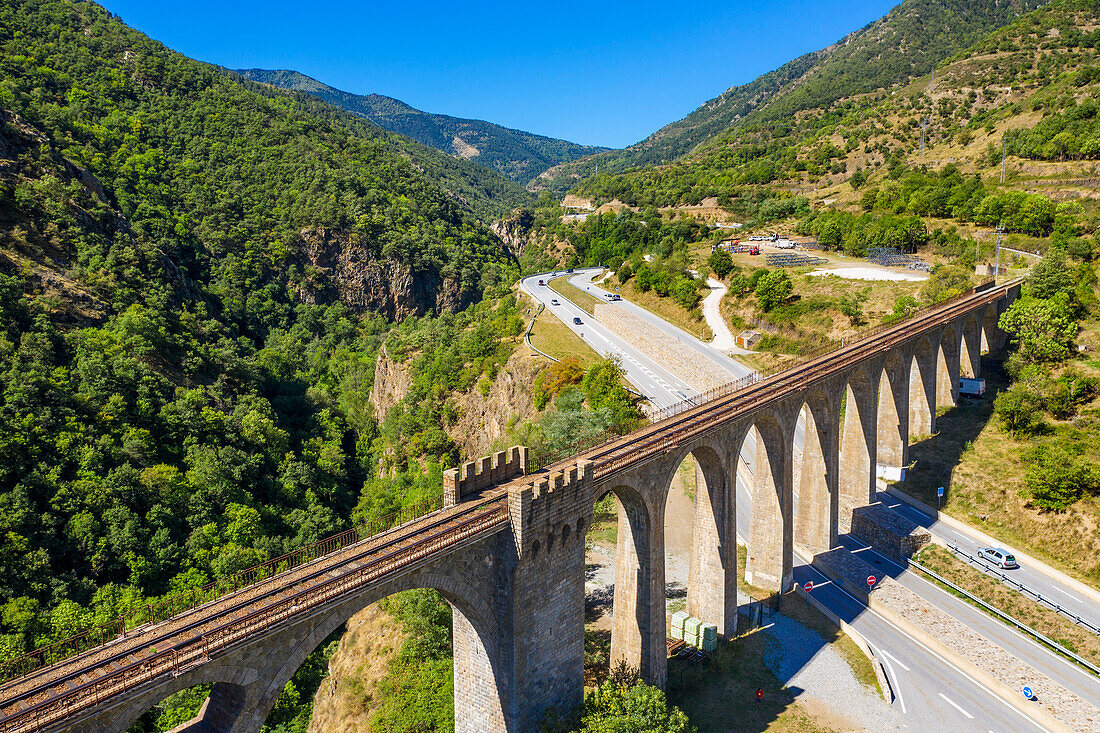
column 893, row 417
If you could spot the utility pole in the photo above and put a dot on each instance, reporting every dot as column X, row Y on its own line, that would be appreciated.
column 997, row 261
column 1002, row 159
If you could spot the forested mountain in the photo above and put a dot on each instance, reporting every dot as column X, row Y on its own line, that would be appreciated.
column 195, row 274
column 1032, row 84
column 907, row 42
column 518, row 155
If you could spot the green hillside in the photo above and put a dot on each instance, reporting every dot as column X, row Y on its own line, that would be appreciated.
column 1031, row 84
column 907, row 42
column 194, row 280
column 516, row 154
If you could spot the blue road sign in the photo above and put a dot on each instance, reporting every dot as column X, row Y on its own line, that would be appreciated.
column 1028, row 694
column 939, row 492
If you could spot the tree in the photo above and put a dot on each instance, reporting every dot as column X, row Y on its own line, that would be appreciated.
column 1044, row 330
column 773, row 288
column 614, row 707
column 1016, row 408
column 721, row 263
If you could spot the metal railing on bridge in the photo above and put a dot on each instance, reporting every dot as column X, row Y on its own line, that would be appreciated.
column 165, row 608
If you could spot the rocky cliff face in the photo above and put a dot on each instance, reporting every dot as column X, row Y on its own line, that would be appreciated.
column 483, row 419
column 341, row 268
column 391, row 383
column 515, row 229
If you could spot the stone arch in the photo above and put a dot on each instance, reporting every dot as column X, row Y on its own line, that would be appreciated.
column 712, row 569
column 993, row 338
column 947, row 368
column 638, row 627
column 858, row 443
column 970, row 348
column 244, row 693
column 922, row 389
column 771, row 543
column 892, row 445
column 815, row 520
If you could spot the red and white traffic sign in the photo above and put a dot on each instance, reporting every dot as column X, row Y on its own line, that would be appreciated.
column 809, row 586
column 871, row 581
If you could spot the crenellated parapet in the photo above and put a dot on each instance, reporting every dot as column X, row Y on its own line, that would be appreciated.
column 550, row 509
column 487, row 471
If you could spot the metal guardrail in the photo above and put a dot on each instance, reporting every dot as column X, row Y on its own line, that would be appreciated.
column 527, row 334
column 1008, row 619
column 645, row 448
column 1039, row 597
column 703, row 397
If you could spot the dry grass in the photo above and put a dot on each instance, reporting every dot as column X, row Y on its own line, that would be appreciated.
column 345, row 700
column 553, row 337
column 1011, row 602
column 709, row 692
column 982, row 470
column 690, row 321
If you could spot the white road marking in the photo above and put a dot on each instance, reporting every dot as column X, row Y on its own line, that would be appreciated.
column 914, row 641
column 1081, row 600
column 900, row 663
column 955, row 705
column 897, row 682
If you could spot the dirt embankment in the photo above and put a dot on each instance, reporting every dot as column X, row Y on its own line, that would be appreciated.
column 346, row 699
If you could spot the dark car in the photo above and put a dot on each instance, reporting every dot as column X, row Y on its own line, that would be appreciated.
column 576, row 321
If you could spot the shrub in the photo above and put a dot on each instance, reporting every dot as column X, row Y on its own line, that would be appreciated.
column 1016, row 409
column 773, row 288
column 1055, row 479
column 721, row 263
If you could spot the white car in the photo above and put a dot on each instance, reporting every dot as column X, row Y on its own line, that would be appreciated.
column 554, row 302
column 999, row 557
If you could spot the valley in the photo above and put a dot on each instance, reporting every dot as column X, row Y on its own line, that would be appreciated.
column 245, row 311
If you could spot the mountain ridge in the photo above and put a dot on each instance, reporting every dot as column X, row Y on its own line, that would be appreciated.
column 906, row 42
column 516, row 154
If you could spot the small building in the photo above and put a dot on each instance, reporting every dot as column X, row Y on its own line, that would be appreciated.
column 747, row 339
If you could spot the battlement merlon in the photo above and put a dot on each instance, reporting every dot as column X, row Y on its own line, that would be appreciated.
column 475, row 476
column 548, row 503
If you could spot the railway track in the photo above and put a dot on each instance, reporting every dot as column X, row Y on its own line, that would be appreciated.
column 50, row 694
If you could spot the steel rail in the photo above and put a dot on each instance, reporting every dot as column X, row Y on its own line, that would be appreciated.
column 606, row 459
column 321, row 566
column 197, row 648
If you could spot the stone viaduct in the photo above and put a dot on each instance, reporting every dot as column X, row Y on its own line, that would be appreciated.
column 516, row 578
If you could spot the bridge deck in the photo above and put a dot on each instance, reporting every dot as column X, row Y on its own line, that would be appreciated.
column 49, row 695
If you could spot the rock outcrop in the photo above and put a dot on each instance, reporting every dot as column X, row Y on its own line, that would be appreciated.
column 483, row 419
column 340, row 267
column 391, row 383
column 515, row 230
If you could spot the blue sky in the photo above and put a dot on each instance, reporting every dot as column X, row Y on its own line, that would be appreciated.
column 601, row 73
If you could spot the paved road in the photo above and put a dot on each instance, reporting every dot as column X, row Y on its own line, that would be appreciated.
column 582, row 280
column 659, row 385
column 933, row 694
column 1034, row 578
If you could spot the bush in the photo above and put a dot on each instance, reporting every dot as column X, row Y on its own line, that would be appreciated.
column 773, row 288
column 721, row 263
column 1016, row 409
column 1055, row 479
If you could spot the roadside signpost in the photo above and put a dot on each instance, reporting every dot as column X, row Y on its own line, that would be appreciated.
column 809, row 586
column 939, row 495
column 871, row 582
column 1028, row 694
